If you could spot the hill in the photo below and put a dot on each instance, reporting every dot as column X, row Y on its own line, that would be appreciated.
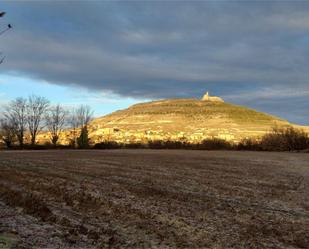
column 183, row 119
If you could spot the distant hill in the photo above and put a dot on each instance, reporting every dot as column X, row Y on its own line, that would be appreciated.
column 183, row 119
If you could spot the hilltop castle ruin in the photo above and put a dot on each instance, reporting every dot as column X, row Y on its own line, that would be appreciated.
column 207, row 97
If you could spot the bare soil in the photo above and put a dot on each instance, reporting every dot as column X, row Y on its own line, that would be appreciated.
column 153, row 199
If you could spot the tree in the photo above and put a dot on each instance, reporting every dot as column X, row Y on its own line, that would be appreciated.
column 15, row 114
column 285, row 139
column 84, row 115
column 73, row 122
column 36, row 109
column 55, row 122
column 9, row 26
column 83, row 139
column 7, row 132
column 80, row 118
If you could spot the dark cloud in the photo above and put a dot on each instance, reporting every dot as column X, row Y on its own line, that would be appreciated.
column 167, row 49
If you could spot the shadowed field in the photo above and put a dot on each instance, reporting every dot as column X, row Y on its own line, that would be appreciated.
column 154, row 199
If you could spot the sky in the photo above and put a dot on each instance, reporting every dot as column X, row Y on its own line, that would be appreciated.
column 112, row 54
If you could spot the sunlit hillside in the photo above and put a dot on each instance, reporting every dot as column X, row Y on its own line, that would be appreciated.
column 183, row 119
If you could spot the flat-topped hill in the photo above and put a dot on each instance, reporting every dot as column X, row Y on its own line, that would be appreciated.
column 183, row 119
column 191, row 110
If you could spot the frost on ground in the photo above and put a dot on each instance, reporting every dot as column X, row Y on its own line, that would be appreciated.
column 153, row 199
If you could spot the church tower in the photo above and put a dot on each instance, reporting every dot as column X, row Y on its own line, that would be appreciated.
column 206, row 97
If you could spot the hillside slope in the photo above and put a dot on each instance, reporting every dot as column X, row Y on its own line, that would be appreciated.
column 183, row 119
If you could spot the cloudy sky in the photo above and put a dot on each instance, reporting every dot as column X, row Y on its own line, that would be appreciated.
column 113, row 54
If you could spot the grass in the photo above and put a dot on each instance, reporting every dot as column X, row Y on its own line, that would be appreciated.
column 190, row 108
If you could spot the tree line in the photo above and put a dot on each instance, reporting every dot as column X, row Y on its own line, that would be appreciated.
column 278, row 139
column 23, row 117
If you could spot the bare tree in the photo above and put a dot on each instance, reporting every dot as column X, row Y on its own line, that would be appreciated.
column 73, row 123
column 55, row 122
column 7, row 132
column 84, row 115
column 9, row 26
column 79, row 120
column 15, row 114
column 36, row 109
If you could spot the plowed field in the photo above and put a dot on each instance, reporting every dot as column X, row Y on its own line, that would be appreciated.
column 153, row 199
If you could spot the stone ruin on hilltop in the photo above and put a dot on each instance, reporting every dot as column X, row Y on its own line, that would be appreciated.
column 206, row 97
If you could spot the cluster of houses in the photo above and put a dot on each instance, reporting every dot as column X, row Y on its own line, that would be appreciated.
column 143, row 136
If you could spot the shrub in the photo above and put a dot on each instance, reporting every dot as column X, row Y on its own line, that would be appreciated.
column 215, row 144
column 134, row 146
column 249, row 144
column 156, row 144
column 107, row 145
column 174, row 145
column 35, row 147
column 288, row 139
